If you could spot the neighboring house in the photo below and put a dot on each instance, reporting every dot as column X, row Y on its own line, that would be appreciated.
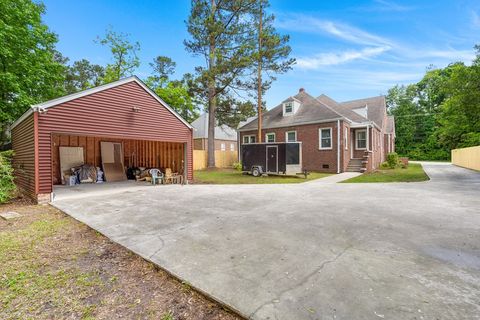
column 124, row 112
column 225, row 137
column 336, row 136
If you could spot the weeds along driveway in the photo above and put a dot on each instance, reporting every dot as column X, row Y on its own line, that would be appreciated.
column 310, row 251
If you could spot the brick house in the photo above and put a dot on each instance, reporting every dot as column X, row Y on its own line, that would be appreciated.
column 225, row 137
column 336, row 136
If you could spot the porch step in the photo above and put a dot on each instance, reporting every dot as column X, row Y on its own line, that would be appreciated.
column 355, row 165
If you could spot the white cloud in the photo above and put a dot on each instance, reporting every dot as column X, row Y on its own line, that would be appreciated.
column 328, row 59
column 448, row 54
column 384, row 5
column 304, row 23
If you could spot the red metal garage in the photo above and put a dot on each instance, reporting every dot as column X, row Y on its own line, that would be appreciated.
column 125, row 111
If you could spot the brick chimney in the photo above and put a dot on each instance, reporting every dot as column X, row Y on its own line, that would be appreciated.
column 301, row 90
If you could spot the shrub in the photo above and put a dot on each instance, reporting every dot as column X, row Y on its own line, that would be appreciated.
column 7, row 186
column 392, row 160
column 237, row 166
column 384, row 165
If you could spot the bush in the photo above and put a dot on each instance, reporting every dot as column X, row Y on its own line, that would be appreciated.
column 392, row 160
column 237, row 166
column 384, row 165
column 7, row 186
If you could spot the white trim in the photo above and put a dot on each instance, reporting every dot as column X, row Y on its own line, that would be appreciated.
column 286, row 135
column 57, row 101
column 320, row 138
column 356, row 139
column 249, row 138
column 266, row 137
column 338, row 146
column 223, row 146
column 290, row 104
column 345, row 138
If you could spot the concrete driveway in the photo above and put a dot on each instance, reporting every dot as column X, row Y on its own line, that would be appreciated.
column 310, row 251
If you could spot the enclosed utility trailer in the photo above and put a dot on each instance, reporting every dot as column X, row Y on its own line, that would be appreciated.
column 272, row 158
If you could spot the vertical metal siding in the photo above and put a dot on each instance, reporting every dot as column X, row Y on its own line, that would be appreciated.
column 110, row 113
column 23, row 145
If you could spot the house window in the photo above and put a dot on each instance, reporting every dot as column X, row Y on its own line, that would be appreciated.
column 249, row 139
column 361, row 139
column 270, row 137
column 291, row 136
column 288, row 108
column 325, row 138
column 232, row 147
column 222, row 146
column 346, row 139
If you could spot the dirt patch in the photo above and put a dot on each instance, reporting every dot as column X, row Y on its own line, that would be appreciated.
column 52, row 266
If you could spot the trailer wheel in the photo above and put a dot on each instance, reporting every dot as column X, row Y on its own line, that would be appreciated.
column 256, row 172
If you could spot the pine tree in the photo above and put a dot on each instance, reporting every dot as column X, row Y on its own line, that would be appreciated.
column 271, row 55
column 220, row 33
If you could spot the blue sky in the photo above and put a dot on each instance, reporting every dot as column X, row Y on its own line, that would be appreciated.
column 345, row 49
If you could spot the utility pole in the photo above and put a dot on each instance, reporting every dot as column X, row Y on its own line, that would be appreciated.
column 259, row 74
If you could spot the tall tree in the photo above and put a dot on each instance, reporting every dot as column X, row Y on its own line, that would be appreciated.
column 163, row 67
column 219, row 31
column 439, row 113
column 271, row 55
column 29, row 71
column 83, row 75
column 124, row 54
column 232, row 111
column 176, row 93
column 460, row 113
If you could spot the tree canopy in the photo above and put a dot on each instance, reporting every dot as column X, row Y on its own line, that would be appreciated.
column 124, row 55
column 439, row 113
column 220, row 32
column 29, row 71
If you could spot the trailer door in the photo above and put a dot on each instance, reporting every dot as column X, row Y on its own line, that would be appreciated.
column 272, row 159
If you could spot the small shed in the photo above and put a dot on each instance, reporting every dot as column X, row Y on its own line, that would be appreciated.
column 123, row 112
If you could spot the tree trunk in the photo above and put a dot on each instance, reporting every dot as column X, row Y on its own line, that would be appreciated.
column 259, row 77
column 212, row 102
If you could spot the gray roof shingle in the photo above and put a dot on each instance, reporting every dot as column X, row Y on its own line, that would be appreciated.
column 323, row 108
column 376, row 107
column 222, row 132
column 310, row 110
column 343, row 110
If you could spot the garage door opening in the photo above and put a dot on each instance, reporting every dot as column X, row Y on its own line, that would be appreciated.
column 136, row 154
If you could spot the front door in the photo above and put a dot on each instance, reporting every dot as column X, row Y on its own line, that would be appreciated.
column 272, row 159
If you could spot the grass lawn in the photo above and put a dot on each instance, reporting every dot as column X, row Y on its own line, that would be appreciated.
column 53, row 267
column 413, row 173
column 231, row 176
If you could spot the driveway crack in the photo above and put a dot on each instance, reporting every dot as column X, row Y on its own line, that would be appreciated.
column 302, row 282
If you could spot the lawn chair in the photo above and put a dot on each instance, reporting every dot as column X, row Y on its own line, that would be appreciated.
column 168, row 178
column 157, row 175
